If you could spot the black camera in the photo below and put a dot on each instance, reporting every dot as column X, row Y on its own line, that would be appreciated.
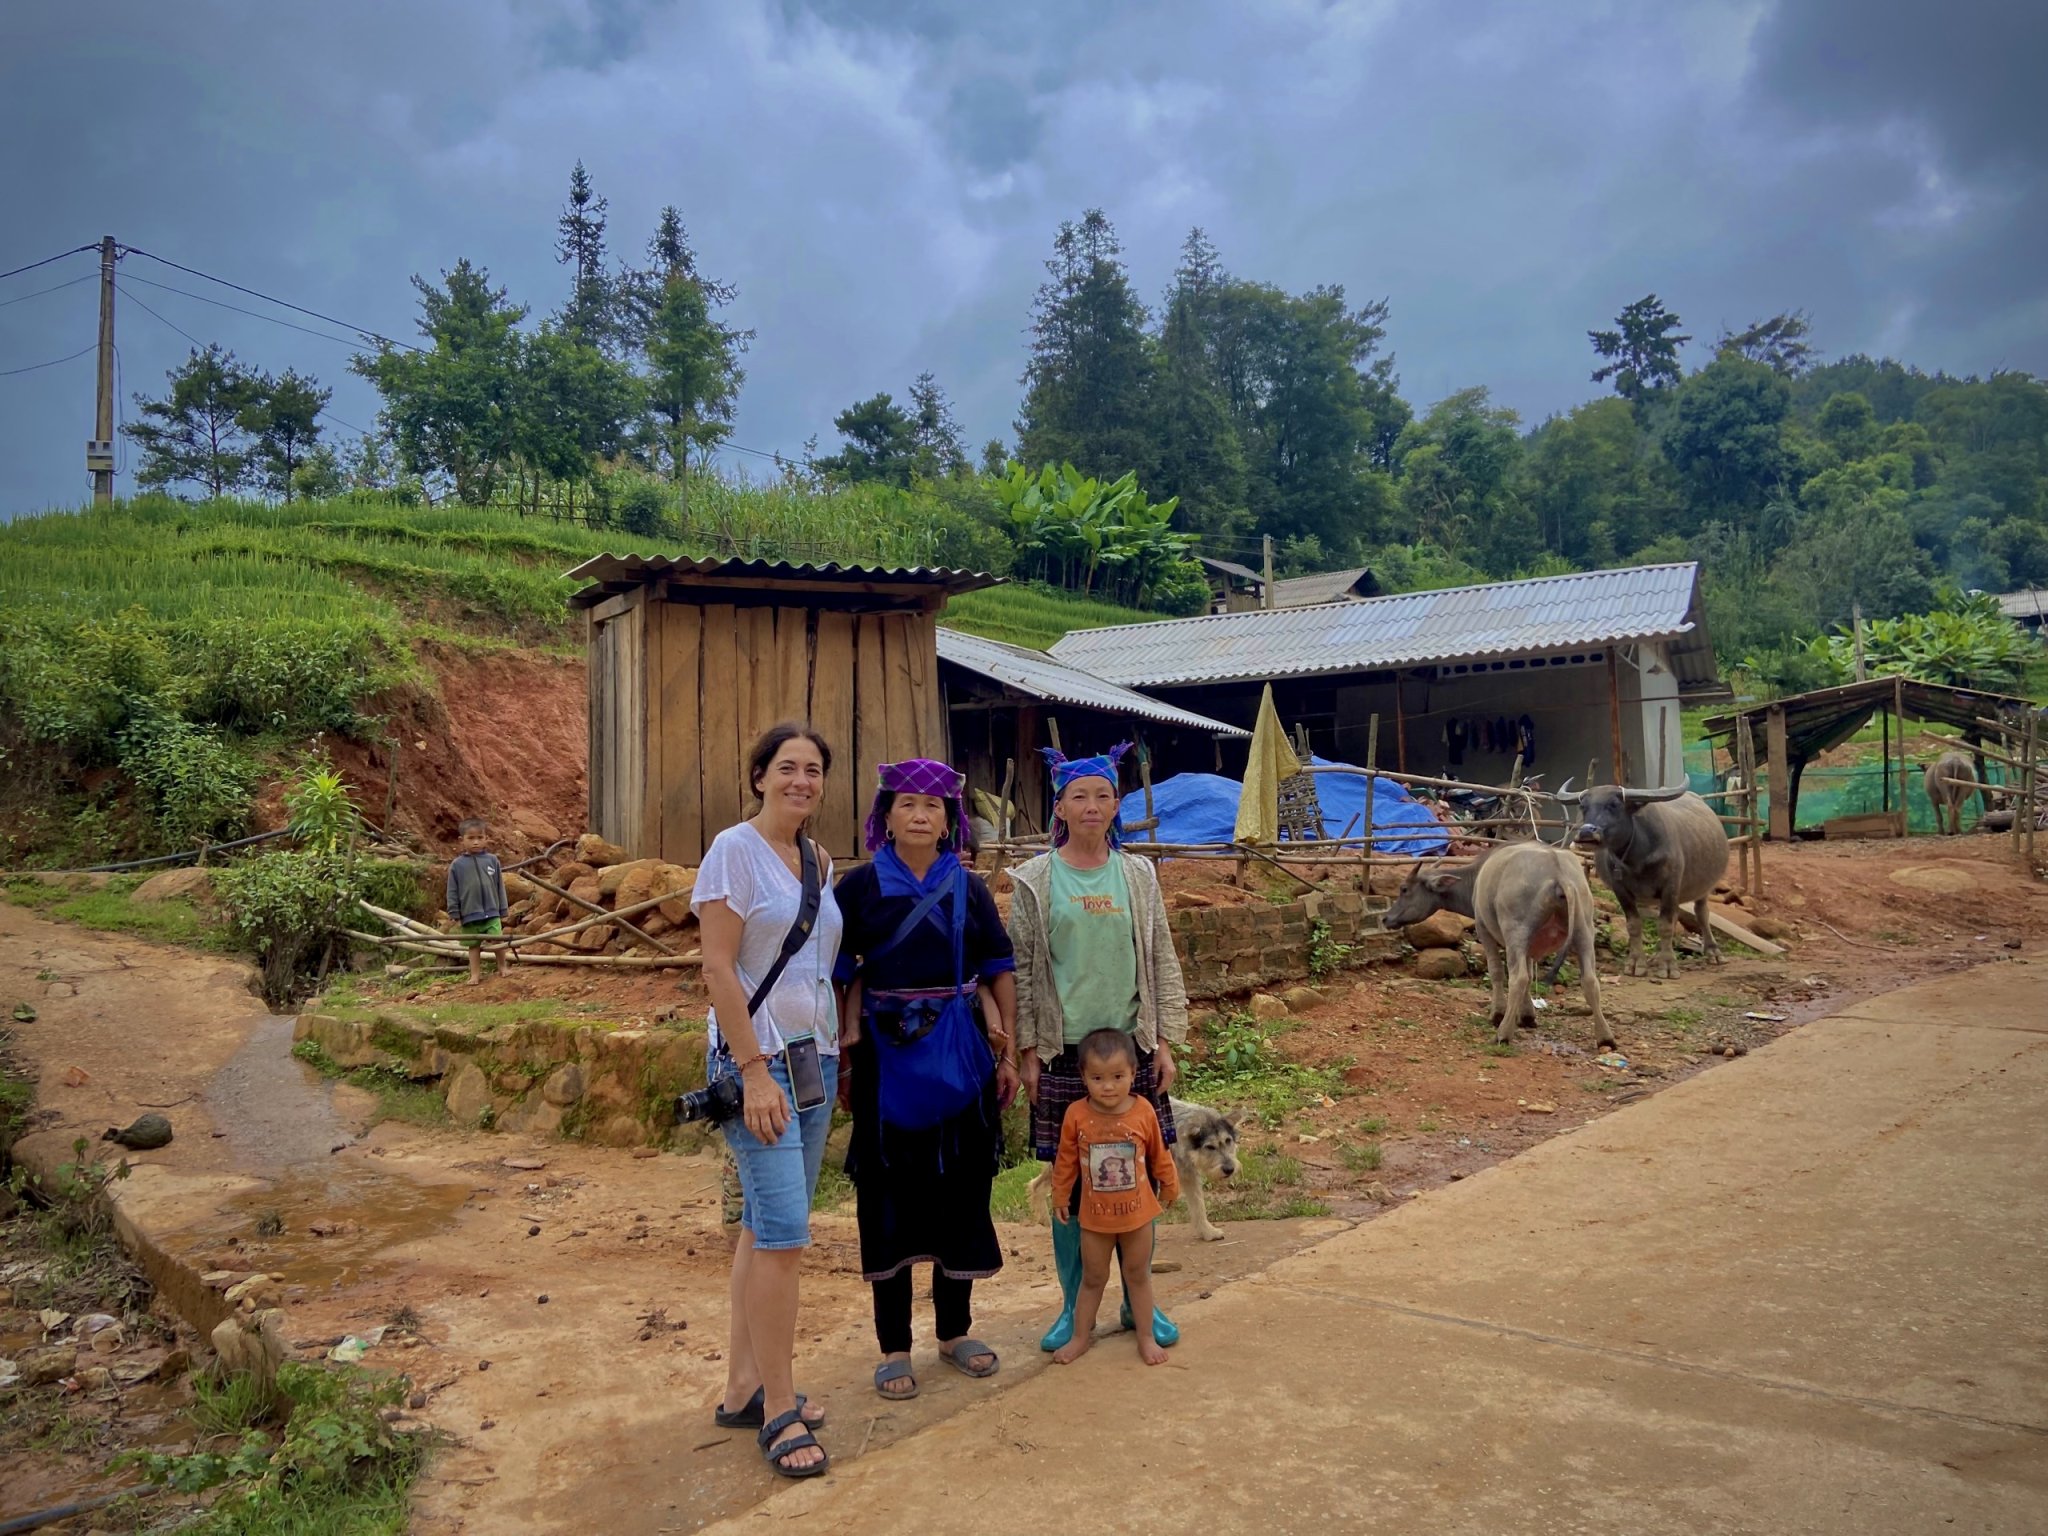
column 715, row 1103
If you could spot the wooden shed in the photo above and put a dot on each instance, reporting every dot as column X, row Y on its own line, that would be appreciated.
column 690, row 660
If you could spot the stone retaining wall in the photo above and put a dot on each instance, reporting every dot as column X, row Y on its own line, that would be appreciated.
column 1231, row 950
column 616, row 1087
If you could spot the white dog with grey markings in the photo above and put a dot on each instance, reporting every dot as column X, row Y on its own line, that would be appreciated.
column 1204, row 1146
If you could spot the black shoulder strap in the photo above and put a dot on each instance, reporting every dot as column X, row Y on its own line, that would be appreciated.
column 800, row 930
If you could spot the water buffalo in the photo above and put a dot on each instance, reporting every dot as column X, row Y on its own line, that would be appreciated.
column 1524, row 901
column 1665, row 846
column 1949, row 780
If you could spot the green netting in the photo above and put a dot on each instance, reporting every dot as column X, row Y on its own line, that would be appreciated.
column 1825, row 793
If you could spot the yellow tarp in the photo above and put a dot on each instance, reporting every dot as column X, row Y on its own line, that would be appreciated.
column 1258, row 808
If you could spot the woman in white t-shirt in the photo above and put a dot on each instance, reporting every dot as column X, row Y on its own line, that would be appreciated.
column 748, row 894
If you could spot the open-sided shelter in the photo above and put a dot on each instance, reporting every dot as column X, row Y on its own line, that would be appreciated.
column 690, row 660
column 1561, row 670
column 1791, row 732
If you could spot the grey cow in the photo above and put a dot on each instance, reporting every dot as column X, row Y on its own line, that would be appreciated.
column 1662, row 846
column 1524, row 900
column 1950, row 779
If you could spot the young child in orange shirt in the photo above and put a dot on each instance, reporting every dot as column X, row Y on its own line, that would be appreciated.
column 1111, row 1148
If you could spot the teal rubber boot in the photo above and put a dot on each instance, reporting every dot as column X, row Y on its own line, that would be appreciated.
column 1066, row 1261
column 1165, row 1331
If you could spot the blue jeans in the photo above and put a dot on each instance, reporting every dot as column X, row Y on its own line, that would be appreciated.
column 778, row 1181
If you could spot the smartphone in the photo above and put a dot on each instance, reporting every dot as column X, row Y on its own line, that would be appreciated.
column 806, row 1072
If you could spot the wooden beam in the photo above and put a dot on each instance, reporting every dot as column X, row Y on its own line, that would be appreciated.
column 1400, row 728
column 1620, row 764
column 1778, row 765
column 682, row 766
column 718, row 701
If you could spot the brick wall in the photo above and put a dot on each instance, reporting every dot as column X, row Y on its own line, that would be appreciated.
column 1232, row 950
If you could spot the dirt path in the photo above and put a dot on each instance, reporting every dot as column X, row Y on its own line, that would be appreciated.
column 594, row 1285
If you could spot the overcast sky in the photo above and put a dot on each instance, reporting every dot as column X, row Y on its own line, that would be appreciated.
column 883, row 180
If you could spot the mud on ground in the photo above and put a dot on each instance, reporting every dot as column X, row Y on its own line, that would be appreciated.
column 565, row 1322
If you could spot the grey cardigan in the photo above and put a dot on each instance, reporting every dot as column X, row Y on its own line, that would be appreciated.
column 1162, row 996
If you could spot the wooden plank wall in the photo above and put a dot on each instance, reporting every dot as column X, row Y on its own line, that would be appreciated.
column 679, row 692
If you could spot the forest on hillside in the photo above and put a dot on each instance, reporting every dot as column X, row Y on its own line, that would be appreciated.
column 1227, row 411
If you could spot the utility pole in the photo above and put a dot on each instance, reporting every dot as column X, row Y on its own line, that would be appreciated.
column 99, row 453
column 1266, row 592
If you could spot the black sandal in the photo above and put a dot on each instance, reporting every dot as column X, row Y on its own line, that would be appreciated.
column 773, row 1453
column 751, row 1415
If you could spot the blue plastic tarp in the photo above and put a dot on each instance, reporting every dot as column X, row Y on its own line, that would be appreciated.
column 1202, row 808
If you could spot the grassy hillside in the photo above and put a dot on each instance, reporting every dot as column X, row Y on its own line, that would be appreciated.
column 191, row 645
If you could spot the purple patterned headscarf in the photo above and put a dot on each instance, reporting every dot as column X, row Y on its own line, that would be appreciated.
column 1067, row 769
column 915, row 776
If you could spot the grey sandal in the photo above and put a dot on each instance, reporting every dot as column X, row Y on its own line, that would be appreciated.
column 895, row 1370
column 972, row 1347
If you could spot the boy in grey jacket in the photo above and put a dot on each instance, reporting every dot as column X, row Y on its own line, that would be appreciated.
column 476, row 895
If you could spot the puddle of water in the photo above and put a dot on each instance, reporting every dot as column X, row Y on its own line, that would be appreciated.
column 375, row 1212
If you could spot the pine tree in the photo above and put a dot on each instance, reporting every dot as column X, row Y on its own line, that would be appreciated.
column 1642, row 353
column 934, row 432
column 195, row 434
column 283, row 418
column 588, row 314
column 1086, row 385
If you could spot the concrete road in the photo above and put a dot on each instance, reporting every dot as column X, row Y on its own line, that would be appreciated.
column 1801, row 1293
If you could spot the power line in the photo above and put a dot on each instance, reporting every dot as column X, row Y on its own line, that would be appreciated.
column 361, row 330
column 253, row 314
column 8, row 373
column 52, row 289
column 323, row 411
column 48, row 259
column 155, row 316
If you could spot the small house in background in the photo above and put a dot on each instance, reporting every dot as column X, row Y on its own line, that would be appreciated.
column 2028, row 609
column 1559, row 671
column 690, row 660
column 1005, row 702
column 1233, row 588
column 1325, row 587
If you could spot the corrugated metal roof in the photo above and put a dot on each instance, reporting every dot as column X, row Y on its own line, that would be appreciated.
column 615, row 572
column 1322, row 587
column 2024, row 605
column 1241, row 572
column 1547, row 613
column 1037, row 674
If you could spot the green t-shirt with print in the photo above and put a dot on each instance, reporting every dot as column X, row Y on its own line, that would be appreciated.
column 1094, row 952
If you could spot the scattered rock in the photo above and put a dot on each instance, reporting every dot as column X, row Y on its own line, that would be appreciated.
column 594, row 938
column 525, row 1164
column 1379, row 1194
column 1301, row 999
column 173, row 884
column 647, row 1152
column 469, row 1094
column 40, row 1367
column 1440, row 964
column 564, row 1087
column 596, row 852
column 483, row 1365
column 254, row 1291
column 76, row 1077
column 1185, row 899
column 145, row 1134
column 611, row 877
column 95, row 1378
column 417, row 1401
column 328, row 1226
column 1440, row 930
column 542, row 1299
column 1535, row 1107
column 1265, row 1006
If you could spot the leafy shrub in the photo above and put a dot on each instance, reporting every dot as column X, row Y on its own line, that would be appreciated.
column 197, row 781
column 321, row 812
column 289, row 909
column 397, row 885
column 332, row 1464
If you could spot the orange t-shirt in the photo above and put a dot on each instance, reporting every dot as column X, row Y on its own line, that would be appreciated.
column 1115, row 1158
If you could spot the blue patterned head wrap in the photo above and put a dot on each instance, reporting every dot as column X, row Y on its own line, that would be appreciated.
column 1065, row 770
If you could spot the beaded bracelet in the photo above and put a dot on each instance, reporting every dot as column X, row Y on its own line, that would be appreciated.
column 742, row 1065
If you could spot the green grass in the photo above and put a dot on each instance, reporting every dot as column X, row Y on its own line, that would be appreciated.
column 1267, row 1188
column 834, row 1189
column 1009, row 1200
column 398, row 1096
column 470, row 1017
column 1364, row 1159
column 113, row 909
column 1031, row 616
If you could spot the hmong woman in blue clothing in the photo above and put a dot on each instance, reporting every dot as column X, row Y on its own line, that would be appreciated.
column 929, row 1064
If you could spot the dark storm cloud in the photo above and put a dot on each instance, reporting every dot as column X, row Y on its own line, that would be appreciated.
column 882, row 180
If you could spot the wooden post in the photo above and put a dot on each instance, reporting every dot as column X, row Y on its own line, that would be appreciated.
column 1614, row 716
column 1899, row 714
column 99, row 457
column 1372, row 761
column 1400, row 729
column 1884, row 752
column 1663, row 743
column 1856, row 619
column 1266, row 590
column 1780, row 765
